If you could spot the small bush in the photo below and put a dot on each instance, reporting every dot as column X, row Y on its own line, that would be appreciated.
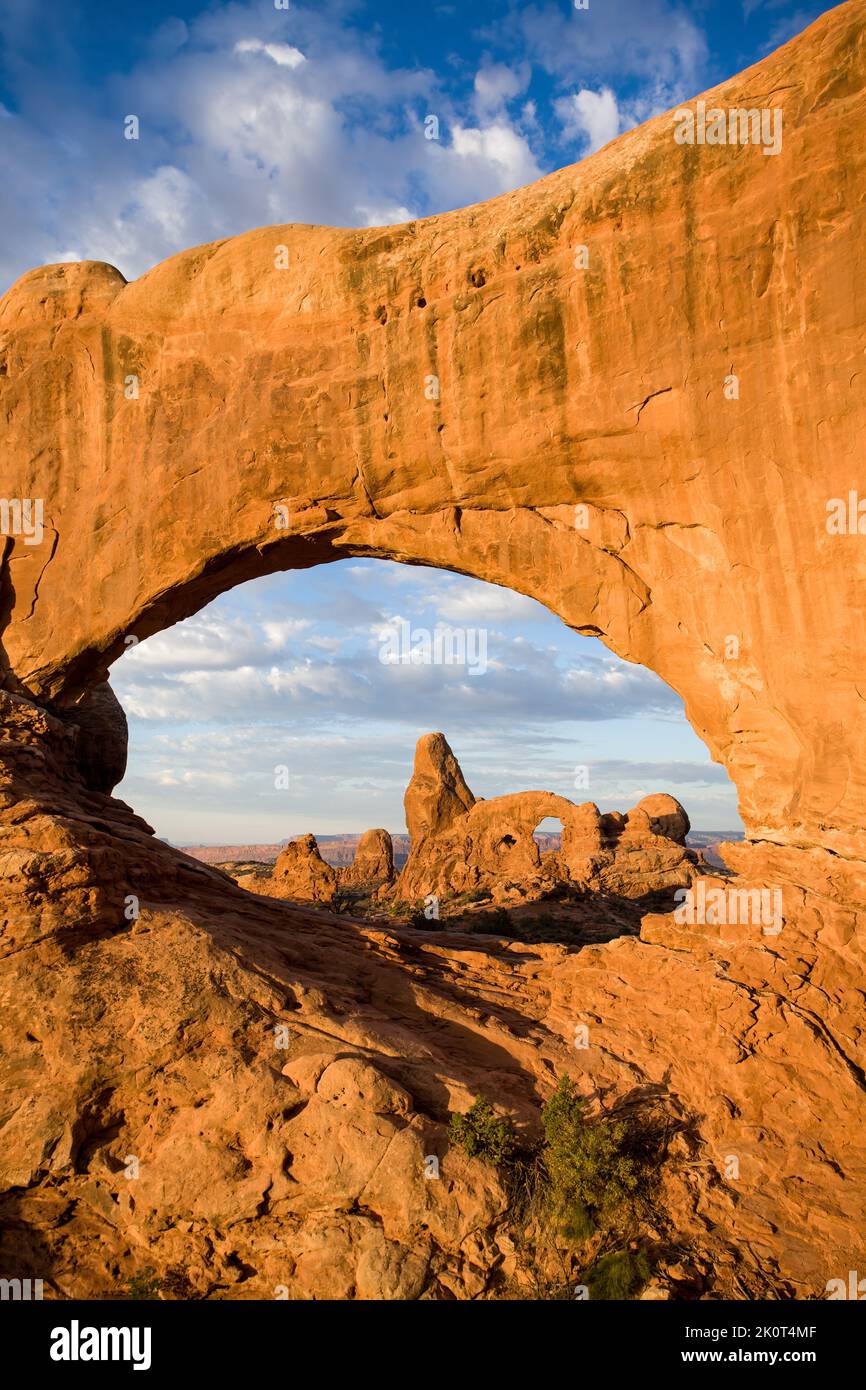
column 419, row 921
column 145, row 1284
column 589, row 1171
column 481, row 1133
column 497, row 922
column 618, row 1275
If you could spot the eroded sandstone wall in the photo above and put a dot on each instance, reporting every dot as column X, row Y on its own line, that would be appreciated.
column 162, row 421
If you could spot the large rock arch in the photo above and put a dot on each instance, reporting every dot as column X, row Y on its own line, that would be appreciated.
column 704, row 521
column 305, row 386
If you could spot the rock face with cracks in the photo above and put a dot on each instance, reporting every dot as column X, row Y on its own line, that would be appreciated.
column 280, row 1074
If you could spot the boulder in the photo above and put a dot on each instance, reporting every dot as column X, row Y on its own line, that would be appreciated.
column 301, row 873
column 374, row 860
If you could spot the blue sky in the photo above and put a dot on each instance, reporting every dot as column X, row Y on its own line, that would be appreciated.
column 286, row 672
column 252, row 115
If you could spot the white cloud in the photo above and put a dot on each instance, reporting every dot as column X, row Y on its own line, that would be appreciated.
column 283, row 54
column 386, row 215
column 648, row 40
column 480, row 604
column 592, row 117
column 496, row 84
column 166, row 199
column 241, row 130
column 278, row 631
column 501, row 148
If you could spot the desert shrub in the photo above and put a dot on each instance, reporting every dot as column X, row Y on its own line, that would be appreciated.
column 145, row 1284
column 618, row 1275
column 589, row 1171
column 420, row 922
column 497, row 922
column 472, row 895
column 355, row 900
column 481, row 1133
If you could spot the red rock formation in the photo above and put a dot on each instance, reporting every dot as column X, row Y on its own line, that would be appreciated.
column 702, row 550
column 301, row 873
column 141, row 990
column 489, row 845
column 437, row 794
column 374, row 861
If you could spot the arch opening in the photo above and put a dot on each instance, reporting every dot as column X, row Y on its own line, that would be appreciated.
column 293, row 706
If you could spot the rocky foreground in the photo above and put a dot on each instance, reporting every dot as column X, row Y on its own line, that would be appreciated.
column 224, row 1093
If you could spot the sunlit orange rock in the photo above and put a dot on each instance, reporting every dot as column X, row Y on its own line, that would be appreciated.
column 220, row 419
column 462, row 845
column 302, row 874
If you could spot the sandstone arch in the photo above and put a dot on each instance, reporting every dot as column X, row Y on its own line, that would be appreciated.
column 557, row 390
column 460, row 844
column 705, row 518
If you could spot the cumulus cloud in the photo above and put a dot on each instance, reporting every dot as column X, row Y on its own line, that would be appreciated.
column 221, row 670
column 592, row 117
column 496, row 84
column 496, row 152
column 479, row 603
column 249, row 116
column 645, row 40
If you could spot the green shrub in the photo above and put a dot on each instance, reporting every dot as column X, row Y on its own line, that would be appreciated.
column 618, row 1275
column 497, row 922
column 419, row 921
column 481, row 1133
column 144, row 1284
column 590, row 1173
